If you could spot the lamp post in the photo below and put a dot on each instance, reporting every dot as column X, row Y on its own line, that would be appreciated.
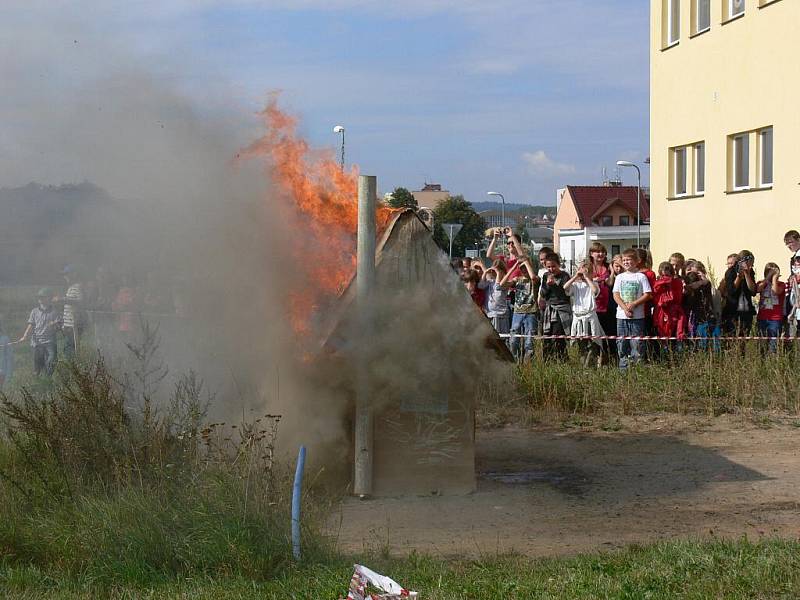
column 340, row 129
column 502, row 216
column 627, row 163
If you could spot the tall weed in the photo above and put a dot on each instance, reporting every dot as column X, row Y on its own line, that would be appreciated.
column 105, row 480
column 688, row 382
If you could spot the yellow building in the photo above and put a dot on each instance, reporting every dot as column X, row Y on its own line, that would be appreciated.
column 724, row 128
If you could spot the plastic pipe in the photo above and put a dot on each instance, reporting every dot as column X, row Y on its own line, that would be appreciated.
column 297, row 493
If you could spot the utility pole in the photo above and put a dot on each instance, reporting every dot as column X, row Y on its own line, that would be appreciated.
column 365, row 282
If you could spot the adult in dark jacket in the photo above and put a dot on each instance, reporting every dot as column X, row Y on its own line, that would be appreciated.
column 740, row 287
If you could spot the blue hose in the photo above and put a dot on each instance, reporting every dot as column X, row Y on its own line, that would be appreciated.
column 297, row 492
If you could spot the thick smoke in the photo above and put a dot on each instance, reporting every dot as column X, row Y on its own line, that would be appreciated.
column 175, row 211
column 184, row 215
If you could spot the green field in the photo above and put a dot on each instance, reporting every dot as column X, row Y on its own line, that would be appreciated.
column 105, row 496
column 731, row 570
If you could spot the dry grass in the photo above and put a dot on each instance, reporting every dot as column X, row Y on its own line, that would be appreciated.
column 703, row 383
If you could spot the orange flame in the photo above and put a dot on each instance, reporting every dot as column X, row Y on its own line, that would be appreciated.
column 322, row 202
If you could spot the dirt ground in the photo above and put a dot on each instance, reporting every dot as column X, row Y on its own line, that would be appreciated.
column 551, row 491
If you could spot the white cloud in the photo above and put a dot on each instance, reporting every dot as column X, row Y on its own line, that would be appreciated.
column 540, row 164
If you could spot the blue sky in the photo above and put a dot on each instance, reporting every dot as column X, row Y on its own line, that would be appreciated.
column 521, row 97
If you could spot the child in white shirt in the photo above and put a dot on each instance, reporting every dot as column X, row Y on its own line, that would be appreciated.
column 582, row 291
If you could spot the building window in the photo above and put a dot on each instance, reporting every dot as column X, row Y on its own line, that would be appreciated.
column 606, row 221
column 741, row 161
column 615, row 249
column 702, row 15
column 673, row 21
column 735, row 8
column 679, row 169
column 624, row 220
column 765, row 156
column 699, row 168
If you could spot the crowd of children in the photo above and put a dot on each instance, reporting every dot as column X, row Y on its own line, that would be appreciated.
column 625, row 299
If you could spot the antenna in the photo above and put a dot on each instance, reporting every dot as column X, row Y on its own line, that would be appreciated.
column 605, row 176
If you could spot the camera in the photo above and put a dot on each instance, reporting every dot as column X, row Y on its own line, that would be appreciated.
column 492, row 231
column 741, row 264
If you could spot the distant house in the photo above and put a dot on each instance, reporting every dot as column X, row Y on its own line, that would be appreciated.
column 430, row 195
column 598, row 213
column 494, row 218
column 540, row 237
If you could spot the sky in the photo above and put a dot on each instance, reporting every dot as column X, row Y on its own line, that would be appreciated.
column 521, row 97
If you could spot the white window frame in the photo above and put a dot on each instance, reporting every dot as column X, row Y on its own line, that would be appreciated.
column 699, row 161
column 762, row 136
column 731, row 15
column 671, row 25
column 737, row 139
column 676, row 153
column 697, row 17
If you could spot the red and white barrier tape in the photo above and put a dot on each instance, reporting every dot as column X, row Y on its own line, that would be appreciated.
column 644, row 337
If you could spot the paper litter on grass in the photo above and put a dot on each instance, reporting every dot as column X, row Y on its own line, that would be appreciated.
column 364, row 578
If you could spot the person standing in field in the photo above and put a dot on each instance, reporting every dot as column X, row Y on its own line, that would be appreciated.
column 43, row 324
column 524, row 320
column 793, row 302
column 632, row 292
column 72, row 319
column 678, row 262
column 583, row 292
column 602, row 275
column 740, row 287
column 792, row 240
column 513, row 248
column 125, row 304
column 702, row 316
column 471, row 279
column 669, row 320
column 555, row 307
column 722, row 288
column 771, row 299
column 496, row 297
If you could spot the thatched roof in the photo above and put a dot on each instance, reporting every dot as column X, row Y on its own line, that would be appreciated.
column 407, row 256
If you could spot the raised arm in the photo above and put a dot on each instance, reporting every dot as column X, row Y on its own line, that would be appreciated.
column 492, row 244
column 505, row 282
column 570, row 281
column 776, row 287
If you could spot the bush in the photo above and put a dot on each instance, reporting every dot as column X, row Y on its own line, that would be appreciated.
column 101, row 485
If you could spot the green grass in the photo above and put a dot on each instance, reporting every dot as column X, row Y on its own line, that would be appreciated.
column 723, row 569
column 103, row 495
column 693, row 382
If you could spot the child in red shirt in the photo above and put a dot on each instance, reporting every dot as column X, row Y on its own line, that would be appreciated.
column 770, row 305
column 651, row 347
column 471, row 279
column 669, row 320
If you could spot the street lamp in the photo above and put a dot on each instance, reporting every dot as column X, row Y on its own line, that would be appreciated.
column 340, row 129
column 627, row 163
column 502, row 216
column 503, row 209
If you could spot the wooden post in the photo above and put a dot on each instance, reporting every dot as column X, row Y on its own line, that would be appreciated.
column 365, row 281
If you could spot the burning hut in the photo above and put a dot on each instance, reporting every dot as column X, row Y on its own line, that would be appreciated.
column 422, row 354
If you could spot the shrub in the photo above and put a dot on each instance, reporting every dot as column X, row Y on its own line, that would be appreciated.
column 101, row 482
